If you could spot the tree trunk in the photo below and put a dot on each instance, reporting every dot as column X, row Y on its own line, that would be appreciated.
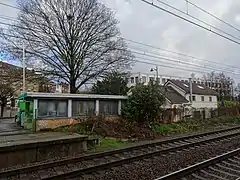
column 2, row 109
column 73, row 89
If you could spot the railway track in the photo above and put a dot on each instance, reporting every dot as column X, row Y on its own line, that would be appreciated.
column 79, row 165
column 223, row 167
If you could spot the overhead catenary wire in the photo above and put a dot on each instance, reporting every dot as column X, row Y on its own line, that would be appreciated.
column 166, row 60
column 219, row 19
column 191, row 22
column 40, row 41
column 179, row 59
column 195, row 18
column 8, row 5
column 178, row 53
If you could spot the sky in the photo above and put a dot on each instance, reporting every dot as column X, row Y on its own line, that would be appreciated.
column 144, row 23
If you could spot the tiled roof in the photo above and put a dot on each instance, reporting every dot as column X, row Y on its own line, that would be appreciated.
column 199, row 89
column 172, row 95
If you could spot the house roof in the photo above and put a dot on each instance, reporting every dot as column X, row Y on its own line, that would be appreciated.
column 172, row 95
column 197, row 88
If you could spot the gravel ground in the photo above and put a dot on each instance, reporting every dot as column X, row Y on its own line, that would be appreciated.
column 157, row 166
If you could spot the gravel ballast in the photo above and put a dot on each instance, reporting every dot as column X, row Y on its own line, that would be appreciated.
column 149, row 169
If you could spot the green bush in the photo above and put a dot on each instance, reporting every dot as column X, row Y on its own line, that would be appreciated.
column 144, row 103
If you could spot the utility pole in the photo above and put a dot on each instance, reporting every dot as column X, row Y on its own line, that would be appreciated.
column 190, row 90
column 24, row 70
column 157, row 71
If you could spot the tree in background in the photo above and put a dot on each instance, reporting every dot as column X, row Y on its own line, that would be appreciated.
column 113, row 83
column 225, row 82
column 144, row 103
column 74, row 40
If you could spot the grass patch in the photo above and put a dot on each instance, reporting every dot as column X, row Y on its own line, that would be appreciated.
column 108, row 144
column 196, row 125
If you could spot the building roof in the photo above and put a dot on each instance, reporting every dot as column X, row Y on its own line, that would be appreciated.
column 172, row 95
column 73, row 96
column 197, row 88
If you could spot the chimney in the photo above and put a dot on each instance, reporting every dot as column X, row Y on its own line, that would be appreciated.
column 190, row 86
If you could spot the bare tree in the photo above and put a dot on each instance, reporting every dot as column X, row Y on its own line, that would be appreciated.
column 224, row 82
column 75, row 40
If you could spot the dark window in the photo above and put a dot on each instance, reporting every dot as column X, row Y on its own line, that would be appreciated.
column 151, row 79
column 108, row 107
column 193, row 98
column 52, row 108
column 132, row 80
column 210, row 99
column 144, row 79
column 136, row 79
column 83, row 108
column 202, row 98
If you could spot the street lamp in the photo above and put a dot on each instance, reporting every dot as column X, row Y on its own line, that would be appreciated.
column 155, row 69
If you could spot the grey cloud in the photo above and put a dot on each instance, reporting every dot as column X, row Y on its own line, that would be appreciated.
column 144, row 23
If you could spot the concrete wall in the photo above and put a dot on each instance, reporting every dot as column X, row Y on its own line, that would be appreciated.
column 53, row 123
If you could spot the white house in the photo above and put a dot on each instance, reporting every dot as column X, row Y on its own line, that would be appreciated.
column 199, row 95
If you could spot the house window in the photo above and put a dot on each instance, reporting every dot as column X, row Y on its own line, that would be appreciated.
column 52, row 108
column 136, row 79
column 108, row 107
column 202, row 98
column 144, row 79
column 132, row 80
column 210, row 99
column 83, row 108
column 193, row 98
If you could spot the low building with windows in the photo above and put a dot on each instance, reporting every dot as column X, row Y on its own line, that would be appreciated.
column 52, row 110
column 145, row 78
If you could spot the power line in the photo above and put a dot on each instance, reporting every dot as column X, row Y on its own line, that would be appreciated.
column 179, row 59
column 203, row 10
column 178, row 53
column 191, row 22
column 173, row 67
column 8, row 5
column 7, row 18
column 156, row 57
column 195, row 18
column 40, row 41
column 145, row 44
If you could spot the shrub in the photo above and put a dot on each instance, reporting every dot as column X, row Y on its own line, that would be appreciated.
column 144, row 103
